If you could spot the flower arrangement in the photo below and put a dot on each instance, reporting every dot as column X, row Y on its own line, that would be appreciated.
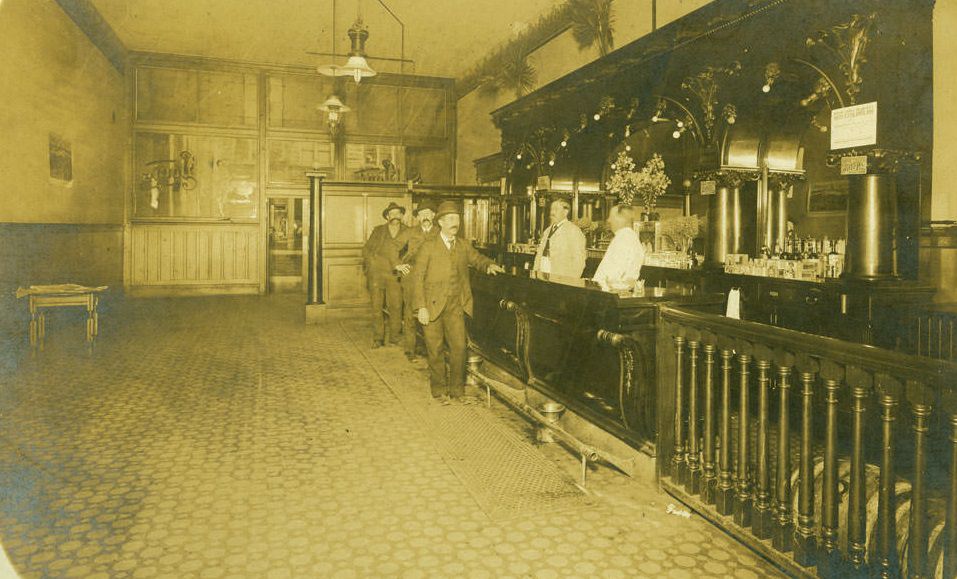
column 681, row 230
column 647, row 184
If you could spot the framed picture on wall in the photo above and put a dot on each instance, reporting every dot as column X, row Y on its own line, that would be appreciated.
column 827, row 196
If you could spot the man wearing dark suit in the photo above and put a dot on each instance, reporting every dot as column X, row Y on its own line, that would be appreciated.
column 443, row 295
column 409, row 242
column 381, row 256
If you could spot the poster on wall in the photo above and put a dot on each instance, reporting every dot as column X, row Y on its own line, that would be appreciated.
column 854, row 126
column 61, row 159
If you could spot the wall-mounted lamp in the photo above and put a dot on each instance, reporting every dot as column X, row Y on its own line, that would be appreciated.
column 334, row 108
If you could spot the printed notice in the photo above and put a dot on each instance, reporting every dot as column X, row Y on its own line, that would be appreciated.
column 854, row 126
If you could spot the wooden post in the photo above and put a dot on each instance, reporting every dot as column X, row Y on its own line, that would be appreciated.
column 315, row 307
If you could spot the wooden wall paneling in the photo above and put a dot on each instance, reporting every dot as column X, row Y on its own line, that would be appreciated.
column 193, row 255
column 343, row 221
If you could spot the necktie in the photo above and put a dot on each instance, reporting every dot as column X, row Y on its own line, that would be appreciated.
column 548, row 240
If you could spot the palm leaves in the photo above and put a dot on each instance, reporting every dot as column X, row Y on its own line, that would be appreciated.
column 592, row 22
column 511, row 71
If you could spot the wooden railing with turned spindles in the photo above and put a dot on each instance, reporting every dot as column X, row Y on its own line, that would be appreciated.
column 832, row 458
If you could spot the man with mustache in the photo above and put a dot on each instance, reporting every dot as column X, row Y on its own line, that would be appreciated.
column 410, row 241
column 443, row 295
column 381, row 257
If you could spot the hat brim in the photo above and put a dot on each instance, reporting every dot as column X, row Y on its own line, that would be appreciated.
column 385, row 213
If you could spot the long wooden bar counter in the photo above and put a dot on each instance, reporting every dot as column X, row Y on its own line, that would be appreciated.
column 590, row 350
column 880, row 313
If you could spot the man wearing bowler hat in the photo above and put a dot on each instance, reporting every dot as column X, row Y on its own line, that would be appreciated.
column 381, row 257
column 443, row 296
column 409, row 242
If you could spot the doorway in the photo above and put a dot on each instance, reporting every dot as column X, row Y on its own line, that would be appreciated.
column 287, row 260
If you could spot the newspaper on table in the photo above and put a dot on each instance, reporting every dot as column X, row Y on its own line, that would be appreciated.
column 58, row 289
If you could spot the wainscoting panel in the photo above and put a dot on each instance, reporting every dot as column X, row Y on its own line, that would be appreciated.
column 207, row 258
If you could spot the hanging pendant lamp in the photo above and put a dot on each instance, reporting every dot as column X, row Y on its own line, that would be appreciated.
column 357, row 66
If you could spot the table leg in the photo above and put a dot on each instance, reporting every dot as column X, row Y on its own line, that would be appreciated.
column 91, row 322
column 42, row 328
column 33, row 325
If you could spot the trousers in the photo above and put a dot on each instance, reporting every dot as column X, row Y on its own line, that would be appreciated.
column 409, row 323
column 386, row 291
column 447, row 332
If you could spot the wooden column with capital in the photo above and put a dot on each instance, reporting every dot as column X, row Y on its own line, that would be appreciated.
column 315, row 306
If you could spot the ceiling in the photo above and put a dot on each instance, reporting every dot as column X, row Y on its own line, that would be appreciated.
column 443, row 37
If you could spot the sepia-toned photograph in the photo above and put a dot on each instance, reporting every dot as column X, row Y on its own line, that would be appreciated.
column 315, row 289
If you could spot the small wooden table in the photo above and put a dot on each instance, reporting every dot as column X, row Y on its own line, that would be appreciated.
column 60, row 296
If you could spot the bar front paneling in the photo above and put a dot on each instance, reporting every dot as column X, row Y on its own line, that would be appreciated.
column 591, row 350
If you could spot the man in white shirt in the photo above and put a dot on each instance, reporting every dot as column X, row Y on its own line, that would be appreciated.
column 562, row 249
column 621, row 266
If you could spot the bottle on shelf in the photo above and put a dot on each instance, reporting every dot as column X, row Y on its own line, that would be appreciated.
column 833, row 262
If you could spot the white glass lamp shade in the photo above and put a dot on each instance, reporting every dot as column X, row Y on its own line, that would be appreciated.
column 328, row 69
column 357, row 67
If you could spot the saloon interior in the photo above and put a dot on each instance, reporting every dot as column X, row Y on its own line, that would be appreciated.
column 188, row 381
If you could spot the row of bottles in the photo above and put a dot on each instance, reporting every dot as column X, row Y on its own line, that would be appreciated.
column 797, row 258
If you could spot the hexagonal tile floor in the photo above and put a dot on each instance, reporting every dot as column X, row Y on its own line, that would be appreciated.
column 221, row 437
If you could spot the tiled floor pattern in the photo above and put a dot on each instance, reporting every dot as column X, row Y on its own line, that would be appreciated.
column 221, row 437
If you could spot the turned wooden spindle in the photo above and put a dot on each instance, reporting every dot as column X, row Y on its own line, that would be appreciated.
column 678, row 463
column 692, row 479
column 860, row 383
column 921, row 401
column 783, row 527
column 950, row 533
column 724, row 496
column 742, row 498
column 887, row 562
column 832, row 374
column 709, row 476
column 805, row 546
column 762, row 496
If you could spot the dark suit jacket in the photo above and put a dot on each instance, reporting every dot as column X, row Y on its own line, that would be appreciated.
column 433, row 269
column 409, row 242
column 381, row 252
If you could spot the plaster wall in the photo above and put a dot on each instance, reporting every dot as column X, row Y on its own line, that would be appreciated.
column 56, row 81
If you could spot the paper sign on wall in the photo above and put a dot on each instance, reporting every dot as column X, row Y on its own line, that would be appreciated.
column 854, row 126
column 708, row 187
column 854, row 165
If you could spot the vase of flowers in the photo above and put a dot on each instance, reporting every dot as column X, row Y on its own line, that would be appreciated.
column 644, row 185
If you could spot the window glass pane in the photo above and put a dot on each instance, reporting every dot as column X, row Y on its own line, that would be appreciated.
column 195, row 176
column 288, row 161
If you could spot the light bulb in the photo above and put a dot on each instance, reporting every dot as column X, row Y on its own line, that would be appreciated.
column 614, row 166
column 518, row 156
column 676, row 134
column 766, row 88
column 597, row 117
column 680, row 124
column 564, row 143
column 731, row 119
column 551, row 163
column 654, row 119
column 628, row 148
